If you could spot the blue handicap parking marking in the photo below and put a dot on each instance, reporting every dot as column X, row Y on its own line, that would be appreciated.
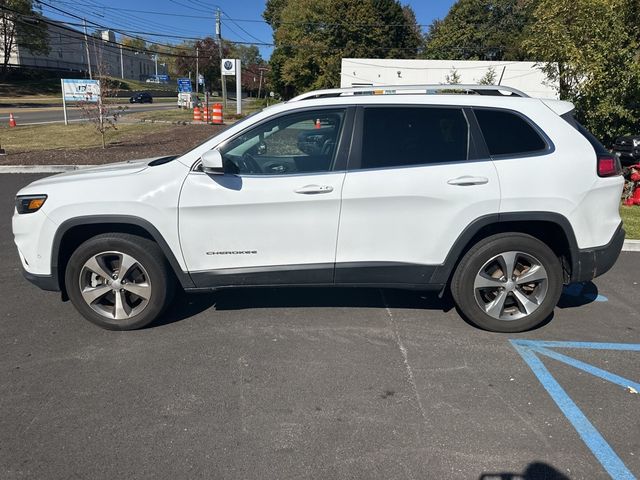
column 532, row 350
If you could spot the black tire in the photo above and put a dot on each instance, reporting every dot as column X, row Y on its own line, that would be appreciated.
column 147, row 254
column 462, row 283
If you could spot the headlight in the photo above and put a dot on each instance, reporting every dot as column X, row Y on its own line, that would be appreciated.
column 29, row 203
column 636, row 142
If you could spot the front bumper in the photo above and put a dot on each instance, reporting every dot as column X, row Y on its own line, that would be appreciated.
column 593, row 262
column 45, row 282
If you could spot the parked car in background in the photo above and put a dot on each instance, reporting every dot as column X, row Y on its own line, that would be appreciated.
column 627, row 149
column 142, row 97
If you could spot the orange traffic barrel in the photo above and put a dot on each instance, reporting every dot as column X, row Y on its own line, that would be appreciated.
column 205, row 115
column 196, row 115
column 216, row 114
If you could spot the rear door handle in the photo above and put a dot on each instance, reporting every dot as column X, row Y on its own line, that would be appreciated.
column 467, row 180
column 314, row 189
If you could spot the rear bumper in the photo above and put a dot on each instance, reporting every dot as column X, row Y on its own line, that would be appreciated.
column 45, row 282
column 593, row 262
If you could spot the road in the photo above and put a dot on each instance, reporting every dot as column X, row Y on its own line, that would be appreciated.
column 32, row 116
column 315, row 383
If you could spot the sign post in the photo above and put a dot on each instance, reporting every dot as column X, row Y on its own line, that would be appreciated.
column 238, row 87
column 64, row 102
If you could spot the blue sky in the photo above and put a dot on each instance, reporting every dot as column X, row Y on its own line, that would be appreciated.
column 240, row 18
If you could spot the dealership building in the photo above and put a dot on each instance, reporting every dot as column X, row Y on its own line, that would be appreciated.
column 525, row 76
column 68, row 52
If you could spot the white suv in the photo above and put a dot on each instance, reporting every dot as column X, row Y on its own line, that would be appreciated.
column 480, row 191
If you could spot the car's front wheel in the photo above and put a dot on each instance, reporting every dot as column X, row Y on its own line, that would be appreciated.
column 119, row 281
column 508, row 282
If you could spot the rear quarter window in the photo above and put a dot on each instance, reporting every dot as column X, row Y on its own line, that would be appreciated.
column 507, row 133
column 595, row 143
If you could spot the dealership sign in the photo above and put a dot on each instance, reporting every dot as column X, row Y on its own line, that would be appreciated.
column 228, row 66
column 80, row 90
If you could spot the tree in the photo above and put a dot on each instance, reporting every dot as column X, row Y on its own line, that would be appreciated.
column 21, row 24
column 480, row 30
column 453, row 77
column 312, row 36
column 489, row 78
column 591, row 48
column 134, row 43
column 103, row 115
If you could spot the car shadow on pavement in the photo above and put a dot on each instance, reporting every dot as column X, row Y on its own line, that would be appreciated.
column 534, row 471
column 186, row 305
column 579, row 294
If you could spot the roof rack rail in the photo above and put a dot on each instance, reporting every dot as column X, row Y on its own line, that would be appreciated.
column 494, row 90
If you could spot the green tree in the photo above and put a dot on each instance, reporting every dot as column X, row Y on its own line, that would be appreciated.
column 21, row 24
column 489, row 78
column 312, row 36
column 453, row 77
column 135, row 43
column 590, row 47
column 480, row 30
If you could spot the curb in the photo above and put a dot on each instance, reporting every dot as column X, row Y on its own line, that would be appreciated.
column 631, row 246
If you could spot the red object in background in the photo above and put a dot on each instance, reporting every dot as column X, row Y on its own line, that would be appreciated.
column 633, row 199
column 318, row 125
column 12, row 121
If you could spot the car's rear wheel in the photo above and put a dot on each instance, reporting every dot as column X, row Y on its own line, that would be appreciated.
column 508, row 282
column 119, row 281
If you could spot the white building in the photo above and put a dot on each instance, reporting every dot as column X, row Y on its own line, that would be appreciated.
column 525, row 76
column 68, row 52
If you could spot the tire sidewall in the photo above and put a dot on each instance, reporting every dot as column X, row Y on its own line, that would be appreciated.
column 155, row 271
column 464, row 279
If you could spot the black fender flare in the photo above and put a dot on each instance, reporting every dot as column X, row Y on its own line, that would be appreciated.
column 443, row 272
column 183, row 277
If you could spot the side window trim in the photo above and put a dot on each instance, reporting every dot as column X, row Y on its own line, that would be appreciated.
column 342, row 147
column 549, row 148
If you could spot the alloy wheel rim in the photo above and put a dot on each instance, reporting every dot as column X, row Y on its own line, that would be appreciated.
column 511, row 285
column 115, row 285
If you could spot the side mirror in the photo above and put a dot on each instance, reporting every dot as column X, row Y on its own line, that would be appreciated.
column 212, row 162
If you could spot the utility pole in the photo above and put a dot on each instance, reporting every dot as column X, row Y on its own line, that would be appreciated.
column 222, row 77
column 260, row 84
column 121, row 63
column 197, row 70
column 155, row 57
column 86, row 44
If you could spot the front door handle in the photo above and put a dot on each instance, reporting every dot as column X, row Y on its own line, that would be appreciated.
column 314, row 189
column 467, row 180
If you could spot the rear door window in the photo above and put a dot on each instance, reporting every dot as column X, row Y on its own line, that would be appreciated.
column 507, row 133
column 405, row 136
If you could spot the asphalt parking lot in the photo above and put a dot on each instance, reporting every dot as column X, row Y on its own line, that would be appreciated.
column 317, row 383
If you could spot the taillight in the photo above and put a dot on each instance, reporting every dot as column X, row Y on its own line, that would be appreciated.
column 608, row 166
